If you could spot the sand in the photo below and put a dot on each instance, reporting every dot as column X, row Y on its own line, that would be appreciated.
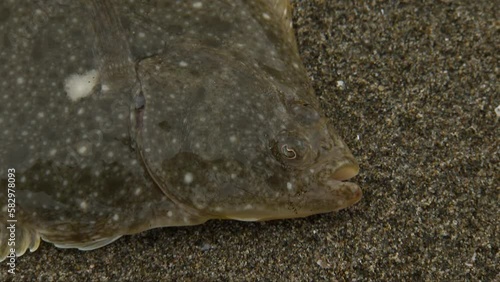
column 412, row 86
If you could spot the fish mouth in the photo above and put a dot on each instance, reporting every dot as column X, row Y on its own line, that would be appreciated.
column 339, row 193
column 322, row 188
column 346, row 194
column 345, row 172
column 330, row 194
column 335, row 172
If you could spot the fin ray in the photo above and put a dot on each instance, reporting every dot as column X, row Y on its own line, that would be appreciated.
column 25, row 238
column 85, row 246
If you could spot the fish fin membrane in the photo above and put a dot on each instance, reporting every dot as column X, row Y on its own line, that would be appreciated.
column 86, row 246
column 18, row 238
column 281, row 9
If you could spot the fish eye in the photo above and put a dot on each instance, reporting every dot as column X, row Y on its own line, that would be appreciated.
column 288, row 152
column 291, row 149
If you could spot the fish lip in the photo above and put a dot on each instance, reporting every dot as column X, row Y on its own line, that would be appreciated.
column 346, row 171
column 338, row 172
column 336, row 181
column 351, row 192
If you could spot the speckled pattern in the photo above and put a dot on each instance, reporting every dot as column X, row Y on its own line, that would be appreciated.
column 219, row 122
column 420, row 85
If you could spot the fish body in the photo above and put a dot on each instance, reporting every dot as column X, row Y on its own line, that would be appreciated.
column 118, row 117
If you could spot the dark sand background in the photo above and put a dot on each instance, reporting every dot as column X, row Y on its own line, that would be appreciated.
column 421, row 86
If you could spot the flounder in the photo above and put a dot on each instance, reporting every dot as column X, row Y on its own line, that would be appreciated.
column 122, row 116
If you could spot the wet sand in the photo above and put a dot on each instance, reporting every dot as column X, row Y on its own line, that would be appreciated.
column 412, row 88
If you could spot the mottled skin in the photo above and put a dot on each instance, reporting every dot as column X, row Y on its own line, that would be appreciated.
column 202, row 111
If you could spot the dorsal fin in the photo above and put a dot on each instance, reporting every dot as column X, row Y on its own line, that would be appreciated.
column 111, row 45
column 277, row 16
column 283, row 10
column 280, row 11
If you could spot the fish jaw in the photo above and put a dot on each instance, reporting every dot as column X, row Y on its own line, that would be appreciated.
column 313, row 193
column 334, row 196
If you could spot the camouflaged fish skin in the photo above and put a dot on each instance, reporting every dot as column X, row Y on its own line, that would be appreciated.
column 195, row 110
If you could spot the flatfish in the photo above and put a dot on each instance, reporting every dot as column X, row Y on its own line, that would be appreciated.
column 121, row 116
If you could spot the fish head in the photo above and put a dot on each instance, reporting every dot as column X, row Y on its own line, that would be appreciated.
column 314, row 163
column 237, row 144
column 302, row 171
column 298, row 171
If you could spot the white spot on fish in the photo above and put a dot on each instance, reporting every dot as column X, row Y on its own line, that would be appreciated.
column 289, row 186
column 188, row 178
column 83, row 205
column 183, row 64
column 137, row 191
column 78, row 86
column 82, row 149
